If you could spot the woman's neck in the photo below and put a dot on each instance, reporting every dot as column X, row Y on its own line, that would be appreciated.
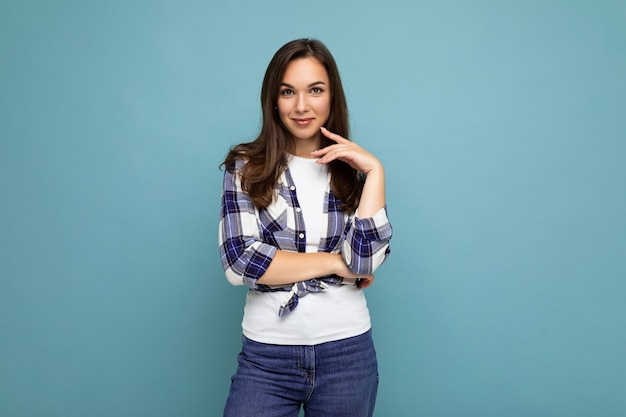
column 303, row 147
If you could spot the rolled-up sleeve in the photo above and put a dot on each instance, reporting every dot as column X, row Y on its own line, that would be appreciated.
column 366, row 242
column 244, row 256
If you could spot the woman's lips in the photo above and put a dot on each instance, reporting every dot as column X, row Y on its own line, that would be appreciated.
column 302, row 122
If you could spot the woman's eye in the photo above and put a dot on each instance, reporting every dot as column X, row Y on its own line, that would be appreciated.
column 316, row 90
column 286, row 92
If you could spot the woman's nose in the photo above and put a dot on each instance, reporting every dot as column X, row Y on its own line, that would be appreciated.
column 302, row 104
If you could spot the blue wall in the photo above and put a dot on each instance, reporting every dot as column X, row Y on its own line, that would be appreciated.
column 503, row 129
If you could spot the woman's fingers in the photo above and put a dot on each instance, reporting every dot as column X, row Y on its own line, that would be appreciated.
column 365, row 281
column 346, row 151
column 333, row 136
column 342, row 145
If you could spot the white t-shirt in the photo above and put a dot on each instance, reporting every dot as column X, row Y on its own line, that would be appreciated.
column 336, row 313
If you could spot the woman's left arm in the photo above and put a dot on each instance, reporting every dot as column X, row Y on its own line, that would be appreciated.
column 373, row 195
column 367, row 243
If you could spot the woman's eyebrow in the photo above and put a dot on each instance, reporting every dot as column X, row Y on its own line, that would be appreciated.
column 310, row 85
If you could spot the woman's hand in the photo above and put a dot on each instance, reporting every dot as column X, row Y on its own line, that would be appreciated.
column 365, row 282
column 342, row 270
column 373, row 194
column 348, row 152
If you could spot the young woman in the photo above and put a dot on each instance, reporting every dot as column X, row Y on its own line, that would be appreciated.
column 304, row 225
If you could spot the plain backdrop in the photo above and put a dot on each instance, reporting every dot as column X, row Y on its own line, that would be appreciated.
column 502, row 127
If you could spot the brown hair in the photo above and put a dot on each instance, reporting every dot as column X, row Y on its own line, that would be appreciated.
column 267, row 155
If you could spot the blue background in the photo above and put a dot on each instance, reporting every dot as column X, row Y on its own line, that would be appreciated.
column 502, row 126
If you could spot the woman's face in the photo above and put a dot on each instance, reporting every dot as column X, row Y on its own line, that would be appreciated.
column 304, row 103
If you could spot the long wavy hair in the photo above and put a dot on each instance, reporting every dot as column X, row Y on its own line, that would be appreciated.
column 266, row 156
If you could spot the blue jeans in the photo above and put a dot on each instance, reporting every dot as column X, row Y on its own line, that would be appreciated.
column 333, row 379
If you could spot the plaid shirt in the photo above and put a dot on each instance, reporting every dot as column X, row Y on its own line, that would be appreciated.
column 249, row 238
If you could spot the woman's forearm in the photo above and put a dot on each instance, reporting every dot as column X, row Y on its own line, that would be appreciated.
column 289, row 267
column 373, row 195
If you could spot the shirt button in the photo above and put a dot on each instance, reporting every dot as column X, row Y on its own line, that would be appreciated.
column 301, row 235
column 293, row 187
column 298, row 209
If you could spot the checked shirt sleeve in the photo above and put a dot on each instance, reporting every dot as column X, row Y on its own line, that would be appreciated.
column 244, row 256
column 366, row 242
